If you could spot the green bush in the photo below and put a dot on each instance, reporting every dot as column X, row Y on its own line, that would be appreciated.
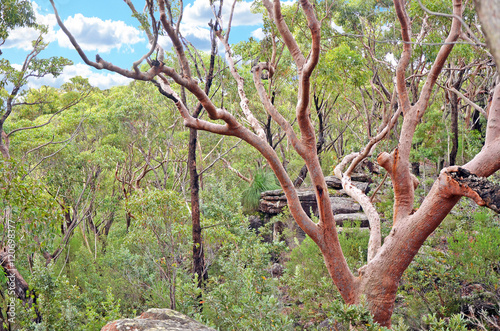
column 63, row 306
column 308, row 283
column 241, row 294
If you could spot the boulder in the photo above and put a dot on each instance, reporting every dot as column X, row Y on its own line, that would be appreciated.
column 341, row 205
column 157, row 320
column 272, row 207
column 254, row 222
column 273, row 204
column 350, row 220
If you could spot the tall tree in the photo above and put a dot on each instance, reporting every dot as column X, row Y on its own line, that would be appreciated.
column 378, row 280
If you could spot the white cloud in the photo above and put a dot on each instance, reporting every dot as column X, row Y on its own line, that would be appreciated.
column 242, row 15
column 103, row 80
column 94, row 34
column 21, row 38
column 198, row 36
column 258, row 34
column 164, row 42
column 199, row 14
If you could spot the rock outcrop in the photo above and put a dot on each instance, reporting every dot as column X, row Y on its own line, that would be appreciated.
column 346, row 210
column 157, row 320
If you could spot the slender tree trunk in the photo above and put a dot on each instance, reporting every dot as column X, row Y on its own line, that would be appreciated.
column 5, row 151
column 454, row 103
column 198, row 252
column 454, row 128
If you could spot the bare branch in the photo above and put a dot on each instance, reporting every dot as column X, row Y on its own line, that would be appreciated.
column 468, row 101
column 275, row 11
column 368, row 150
column 375, row 240
column 219, row 158
column 52, row 143
column 405, row 56
column 239, row 174
column 244, row 103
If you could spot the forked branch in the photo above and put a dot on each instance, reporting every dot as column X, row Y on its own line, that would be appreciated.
column 371, row 213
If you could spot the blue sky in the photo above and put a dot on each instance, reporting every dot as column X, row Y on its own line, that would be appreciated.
column 105, row 27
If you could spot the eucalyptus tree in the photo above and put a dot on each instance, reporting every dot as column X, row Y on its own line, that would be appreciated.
column 375, row 283
column 13, row 81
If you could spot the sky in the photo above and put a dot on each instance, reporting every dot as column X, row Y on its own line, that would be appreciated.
column 106, row 27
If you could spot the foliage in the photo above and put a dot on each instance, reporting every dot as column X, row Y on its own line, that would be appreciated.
column 345, row 66
column 220, row 201
column 63, row 306
column 455, row 323
column 26, row 207
column 463, row 258
column 34, row 67
column 14, row 13
column 430, row 146
column 306, row 277
column 117, row 134
column 242, row 295
column 358, row 317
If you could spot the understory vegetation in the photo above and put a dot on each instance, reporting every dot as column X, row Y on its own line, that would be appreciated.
column 96, row 188
column 146, row 263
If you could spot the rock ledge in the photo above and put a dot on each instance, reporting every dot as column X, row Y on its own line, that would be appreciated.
column 158, row 320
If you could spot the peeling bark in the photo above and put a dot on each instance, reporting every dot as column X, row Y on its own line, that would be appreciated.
column 488, row 192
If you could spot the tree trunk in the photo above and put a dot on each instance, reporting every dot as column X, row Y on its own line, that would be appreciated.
column 320, row 142
column 198, row 252
column 454, row 128
column 454, row 103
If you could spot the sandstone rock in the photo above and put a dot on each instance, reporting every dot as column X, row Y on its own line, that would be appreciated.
column 361, row 181
column 271, row 207
column 342, row 205
column 273, row 202
column 350, row 220
column 157, row 320
column 255, row 222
